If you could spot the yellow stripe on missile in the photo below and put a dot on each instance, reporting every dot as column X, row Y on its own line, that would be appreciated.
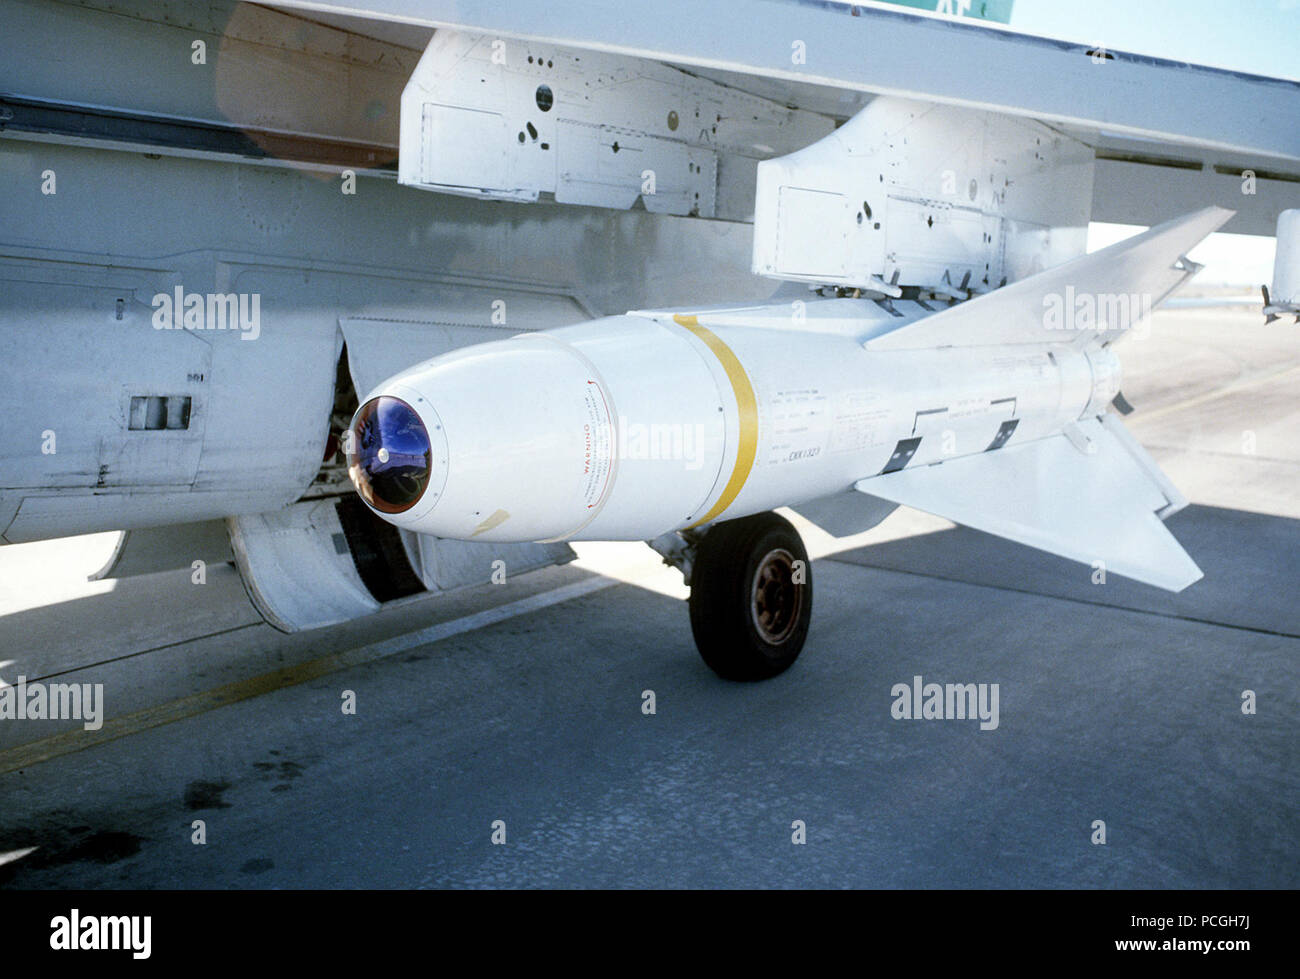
column 747, row 406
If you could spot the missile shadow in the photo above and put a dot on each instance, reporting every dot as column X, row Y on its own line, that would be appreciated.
column 1251, row 563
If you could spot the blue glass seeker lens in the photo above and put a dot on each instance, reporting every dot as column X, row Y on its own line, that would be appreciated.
column 391, row 455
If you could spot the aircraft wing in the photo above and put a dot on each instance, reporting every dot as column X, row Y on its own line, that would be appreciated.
column 1168, row 136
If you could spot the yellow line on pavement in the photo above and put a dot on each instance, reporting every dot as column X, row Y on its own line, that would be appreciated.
column 27, row 755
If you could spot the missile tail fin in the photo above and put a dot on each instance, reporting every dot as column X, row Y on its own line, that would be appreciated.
column 1103, row 504
column 1094, row 297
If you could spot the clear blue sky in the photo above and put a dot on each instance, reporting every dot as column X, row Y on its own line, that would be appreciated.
column 1258, row 36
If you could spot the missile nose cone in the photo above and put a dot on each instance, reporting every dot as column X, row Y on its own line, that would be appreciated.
column 390, row 457
column 504, row 441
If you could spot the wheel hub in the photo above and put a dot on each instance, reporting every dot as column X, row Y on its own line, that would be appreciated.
column 776, row 599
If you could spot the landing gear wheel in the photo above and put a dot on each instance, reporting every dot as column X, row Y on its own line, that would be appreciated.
column 751, row 597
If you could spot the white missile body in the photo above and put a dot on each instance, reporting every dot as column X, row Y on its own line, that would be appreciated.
column 991, row 412
column 628, row 427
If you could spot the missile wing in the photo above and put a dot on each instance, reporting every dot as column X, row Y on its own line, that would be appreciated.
column 1093, row 496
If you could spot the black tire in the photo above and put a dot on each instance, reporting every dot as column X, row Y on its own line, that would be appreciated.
column 743, row 631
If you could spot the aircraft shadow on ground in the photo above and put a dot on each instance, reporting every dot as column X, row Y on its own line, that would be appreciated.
column 1251, row 563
